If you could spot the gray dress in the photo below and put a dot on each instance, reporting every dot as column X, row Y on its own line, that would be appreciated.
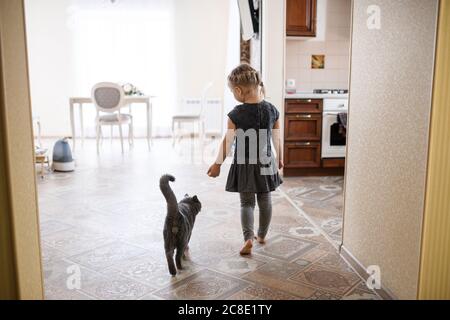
column 250, row 172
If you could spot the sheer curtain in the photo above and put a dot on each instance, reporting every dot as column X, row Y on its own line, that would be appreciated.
column 126, row 41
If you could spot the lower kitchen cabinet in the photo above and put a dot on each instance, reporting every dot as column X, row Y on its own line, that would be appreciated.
column 303, row 122
column 303, row 127
column 302, row 155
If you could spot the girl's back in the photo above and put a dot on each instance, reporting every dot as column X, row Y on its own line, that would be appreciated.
column 254, row 116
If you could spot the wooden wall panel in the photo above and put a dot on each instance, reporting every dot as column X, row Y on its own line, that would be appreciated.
column 435, row 258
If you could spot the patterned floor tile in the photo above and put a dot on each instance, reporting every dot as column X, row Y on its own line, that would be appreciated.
column 279, row 269
column 117, row 212
column 57, row 292
column 315, row 254
column 204, row 285
column 152, row 271
column 208, row 252
column 286, row 248
column 257, row 292
column 361, row 292
column 106, row 256
column 305, row 232
column 114, row 287
column 323, row 295
column 237, row 265
column 329, row 280
column 277, row 284
column 75, row 240
column 334, row 261
column 321, row 198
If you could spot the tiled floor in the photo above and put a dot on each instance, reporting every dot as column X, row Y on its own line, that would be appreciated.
column 104, row 223
column 321, row 199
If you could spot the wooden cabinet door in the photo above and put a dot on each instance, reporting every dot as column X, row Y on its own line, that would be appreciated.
column 303, row 127
column 302, row 155
column 301, row 18
column 304, row 106
column 333, row 163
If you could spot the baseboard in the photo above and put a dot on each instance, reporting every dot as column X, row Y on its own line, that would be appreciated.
column 359, row 268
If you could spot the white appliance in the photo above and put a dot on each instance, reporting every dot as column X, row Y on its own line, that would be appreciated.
column 333, row 139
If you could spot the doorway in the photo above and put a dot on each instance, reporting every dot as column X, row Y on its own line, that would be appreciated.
column 101, row 224
column 317, row 103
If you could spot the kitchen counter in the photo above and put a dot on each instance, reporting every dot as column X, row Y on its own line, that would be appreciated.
column 305, row 95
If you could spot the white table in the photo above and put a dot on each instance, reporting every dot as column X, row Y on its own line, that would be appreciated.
column 81, row 101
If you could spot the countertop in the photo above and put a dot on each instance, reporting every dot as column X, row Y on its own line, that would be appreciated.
column 306, row 95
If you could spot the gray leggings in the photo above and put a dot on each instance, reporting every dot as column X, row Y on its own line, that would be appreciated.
column 247, row 209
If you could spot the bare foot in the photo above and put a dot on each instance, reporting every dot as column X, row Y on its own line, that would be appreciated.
column 260, row 240
column 247, row 248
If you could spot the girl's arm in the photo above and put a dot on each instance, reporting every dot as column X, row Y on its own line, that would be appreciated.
column 224, row 150
column 276, row 136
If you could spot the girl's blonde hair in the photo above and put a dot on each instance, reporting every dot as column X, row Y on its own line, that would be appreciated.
column 246, row 76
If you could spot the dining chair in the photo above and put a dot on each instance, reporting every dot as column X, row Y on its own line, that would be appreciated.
column 197, row 118
column 37, row 122
column 108, row 99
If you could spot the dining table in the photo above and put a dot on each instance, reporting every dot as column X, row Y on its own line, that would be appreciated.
column 81, row 102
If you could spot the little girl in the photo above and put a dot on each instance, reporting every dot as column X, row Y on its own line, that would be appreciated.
column 254, row 172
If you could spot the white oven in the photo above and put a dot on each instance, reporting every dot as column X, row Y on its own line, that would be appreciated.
column 333, row 136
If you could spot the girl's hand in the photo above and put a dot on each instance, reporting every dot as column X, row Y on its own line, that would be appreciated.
column 280, row 164
column 214, row 171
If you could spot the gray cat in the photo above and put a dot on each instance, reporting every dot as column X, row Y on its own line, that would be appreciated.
column 179, row 223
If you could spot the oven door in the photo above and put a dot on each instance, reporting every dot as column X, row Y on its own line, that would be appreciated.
column 333, row 138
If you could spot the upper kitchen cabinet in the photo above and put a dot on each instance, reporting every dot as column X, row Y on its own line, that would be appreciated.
column 301, row 18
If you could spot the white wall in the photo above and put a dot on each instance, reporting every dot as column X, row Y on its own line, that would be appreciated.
column 274, row 32
column 201, row 45
column 50, row 55
column 200, row 36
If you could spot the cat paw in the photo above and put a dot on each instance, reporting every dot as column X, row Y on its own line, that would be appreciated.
column 173, row 272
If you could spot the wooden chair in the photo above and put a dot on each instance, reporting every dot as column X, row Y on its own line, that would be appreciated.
column 198, row 118
column 108, row 98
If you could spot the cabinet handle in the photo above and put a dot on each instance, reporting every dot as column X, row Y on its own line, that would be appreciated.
column 305, row 116
column 303, row 144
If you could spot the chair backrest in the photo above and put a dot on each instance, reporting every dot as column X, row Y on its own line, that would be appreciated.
column 108, row 97
column 206, row 88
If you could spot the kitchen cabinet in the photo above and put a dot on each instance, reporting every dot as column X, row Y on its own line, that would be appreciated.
column 301, row 18
column 304, row 106
column 303, row 133
column 303, row 120
column 302, row 155
column 303, row 127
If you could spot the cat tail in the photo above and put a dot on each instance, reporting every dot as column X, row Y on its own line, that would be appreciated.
column 171, row 199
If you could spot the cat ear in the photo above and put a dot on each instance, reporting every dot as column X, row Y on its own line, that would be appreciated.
column 186, row 195
column 195, row 199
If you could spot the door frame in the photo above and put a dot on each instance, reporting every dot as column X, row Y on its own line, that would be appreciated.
column 434, row 279
column 20, row 241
